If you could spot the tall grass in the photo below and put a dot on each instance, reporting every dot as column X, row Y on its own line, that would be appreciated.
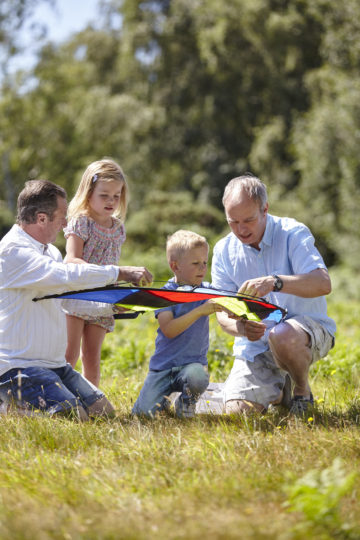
column 252, row 477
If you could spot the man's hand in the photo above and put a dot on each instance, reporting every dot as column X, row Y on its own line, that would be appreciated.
column 138, row 275
column 260, row 286
column 253, row 330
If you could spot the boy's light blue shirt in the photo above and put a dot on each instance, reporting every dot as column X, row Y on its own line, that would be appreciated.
column 287, row 248
column 189, row 346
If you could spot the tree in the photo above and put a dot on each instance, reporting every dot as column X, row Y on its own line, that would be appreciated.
column 13, row 15
column 326, row 139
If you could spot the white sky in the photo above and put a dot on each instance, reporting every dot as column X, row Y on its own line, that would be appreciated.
column 68, row 17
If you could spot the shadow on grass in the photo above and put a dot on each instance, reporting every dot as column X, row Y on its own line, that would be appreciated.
column 275, row 419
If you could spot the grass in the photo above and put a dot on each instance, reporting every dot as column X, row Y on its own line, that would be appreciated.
column 253, row 477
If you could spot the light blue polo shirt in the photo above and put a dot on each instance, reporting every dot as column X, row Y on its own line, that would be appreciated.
column 287, row 248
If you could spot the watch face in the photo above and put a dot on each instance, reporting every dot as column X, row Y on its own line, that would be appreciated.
column 278, row 284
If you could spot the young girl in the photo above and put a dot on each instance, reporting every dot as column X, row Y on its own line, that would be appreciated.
column 94, row 234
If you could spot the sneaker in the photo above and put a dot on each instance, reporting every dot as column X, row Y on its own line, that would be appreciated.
column 301, row 404
column 4, row 405
column 286, row 398
column 169, row 401
column 184, row 410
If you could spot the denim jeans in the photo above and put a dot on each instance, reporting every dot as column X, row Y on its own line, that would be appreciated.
column 51, row 390
column 191, row 380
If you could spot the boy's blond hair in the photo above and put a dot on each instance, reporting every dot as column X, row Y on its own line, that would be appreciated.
column 182, row 241
column 104, row 170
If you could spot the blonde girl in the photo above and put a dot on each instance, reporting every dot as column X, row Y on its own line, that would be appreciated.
column 94, row 234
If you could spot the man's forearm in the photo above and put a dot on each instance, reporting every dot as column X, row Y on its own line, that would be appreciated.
column 234, row 327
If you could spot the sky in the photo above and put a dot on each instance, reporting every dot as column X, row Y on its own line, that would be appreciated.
column 68, row 17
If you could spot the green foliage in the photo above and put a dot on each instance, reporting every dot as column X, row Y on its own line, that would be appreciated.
column 130, row 347
column 186, row 95
column 6, row 219
column 172, row 211
column 317, row 495
column 343, row 362
column 220, row 352
column 13, row 16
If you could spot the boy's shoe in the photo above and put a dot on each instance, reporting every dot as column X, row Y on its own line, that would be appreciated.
column 286, row 400
column 301, row 404
column 169, row 401
column 184, row 410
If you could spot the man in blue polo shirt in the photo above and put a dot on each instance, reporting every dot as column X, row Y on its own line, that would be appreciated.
column 272, row 257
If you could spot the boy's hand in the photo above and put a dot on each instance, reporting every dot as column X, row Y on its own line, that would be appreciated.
column 211, row 306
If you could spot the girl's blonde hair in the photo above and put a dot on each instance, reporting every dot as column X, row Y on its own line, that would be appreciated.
column 181, row 241
column 104, row 170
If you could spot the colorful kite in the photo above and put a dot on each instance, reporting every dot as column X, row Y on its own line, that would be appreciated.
column 141, row 299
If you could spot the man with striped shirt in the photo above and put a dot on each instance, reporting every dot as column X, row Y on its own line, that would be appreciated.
column 34, row 375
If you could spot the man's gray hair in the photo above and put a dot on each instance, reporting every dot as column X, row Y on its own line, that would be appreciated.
column 252, row 186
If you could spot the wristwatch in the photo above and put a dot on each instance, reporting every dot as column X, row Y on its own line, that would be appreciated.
column 278, row 283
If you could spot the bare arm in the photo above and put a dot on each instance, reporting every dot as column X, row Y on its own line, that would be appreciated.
column 310, row 285
column 138, row 275
column 74, row 250
column 241, row 327
column 171, row 327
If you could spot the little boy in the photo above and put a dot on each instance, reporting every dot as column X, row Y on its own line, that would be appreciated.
column 179, row 363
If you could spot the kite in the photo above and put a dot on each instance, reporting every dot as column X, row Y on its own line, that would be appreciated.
column 141, row 299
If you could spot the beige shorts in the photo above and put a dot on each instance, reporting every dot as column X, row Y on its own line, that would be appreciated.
column 260, row 380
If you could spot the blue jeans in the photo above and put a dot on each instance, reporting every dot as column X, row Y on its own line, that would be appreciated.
column 191, row 380
column 51, row 390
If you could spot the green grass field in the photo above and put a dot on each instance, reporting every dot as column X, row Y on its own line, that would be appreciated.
column 254, row 477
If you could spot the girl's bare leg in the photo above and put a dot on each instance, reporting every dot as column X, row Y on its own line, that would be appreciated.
column 75, row 327
column 93, row 337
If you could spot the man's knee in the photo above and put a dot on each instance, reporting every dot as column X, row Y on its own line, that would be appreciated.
column 240, row 406
column 288, row 336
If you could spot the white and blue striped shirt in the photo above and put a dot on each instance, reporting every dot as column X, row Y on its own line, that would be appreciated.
column 34, row 333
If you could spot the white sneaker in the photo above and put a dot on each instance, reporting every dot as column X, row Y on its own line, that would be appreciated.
column 4, row 406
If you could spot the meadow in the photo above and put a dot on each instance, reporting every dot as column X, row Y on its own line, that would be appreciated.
column 211, row 477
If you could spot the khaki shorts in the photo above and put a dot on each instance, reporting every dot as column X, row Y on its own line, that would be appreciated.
column 260, row 380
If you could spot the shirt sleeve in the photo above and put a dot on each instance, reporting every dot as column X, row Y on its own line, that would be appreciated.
column 26, row 268
column 220, row 278
column 303, row 254
column 80, row 226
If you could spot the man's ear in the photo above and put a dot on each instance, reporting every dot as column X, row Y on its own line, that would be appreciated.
column 41, row 218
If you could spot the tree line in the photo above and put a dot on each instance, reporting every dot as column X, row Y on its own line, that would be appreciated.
column 187, row 94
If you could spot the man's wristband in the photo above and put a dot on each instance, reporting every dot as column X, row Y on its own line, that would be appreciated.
column 278, row 283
